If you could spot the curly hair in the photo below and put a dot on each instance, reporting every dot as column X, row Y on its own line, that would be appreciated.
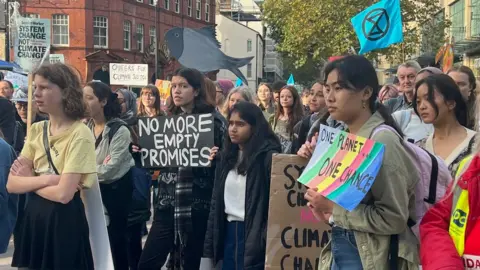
column 68, row 80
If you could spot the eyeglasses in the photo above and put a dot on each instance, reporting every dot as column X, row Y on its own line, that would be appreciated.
column 148, row 94
column 22, row 105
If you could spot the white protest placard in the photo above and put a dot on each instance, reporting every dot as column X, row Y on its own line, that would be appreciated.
column 57, row 58
column 18, row 80
column 33, row 42
column 128, row 74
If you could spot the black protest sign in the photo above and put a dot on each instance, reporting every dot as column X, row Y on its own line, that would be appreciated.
column 176, row 141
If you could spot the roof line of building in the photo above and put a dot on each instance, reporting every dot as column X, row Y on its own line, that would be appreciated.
column 240, row 24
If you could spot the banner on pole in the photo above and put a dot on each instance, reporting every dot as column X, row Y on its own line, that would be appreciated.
column 33, row 42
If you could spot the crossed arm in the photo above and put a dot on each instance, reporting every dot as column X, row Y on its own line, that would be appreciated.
column 57, row 188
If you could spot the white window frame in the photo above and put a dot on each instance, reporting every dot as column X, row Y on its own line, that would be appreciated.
column 249, row 70
column 177, row 6
column 103, row 25
column 151, row 2
column 198, row 9
column 207, row 12
column 32, row 15
column 249, row 45
column 153, row 37
column 140, row 1
column 140, row 41
column 166, row 4
column 127, row 37
column 59, row 21
column 189, row 8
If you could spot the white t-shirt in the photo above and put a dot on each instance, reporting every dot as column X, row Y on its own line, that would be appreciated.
column 411, row 125
column 234, row 197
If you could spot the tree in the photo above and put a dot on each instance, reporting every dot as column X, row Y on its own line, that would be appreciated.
column 318, row 29
column 305, row 75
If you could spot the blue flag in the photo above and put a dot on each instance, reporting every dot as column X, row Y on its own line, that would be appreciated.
column 239, row 82
column 379, row 26
column 291, row 81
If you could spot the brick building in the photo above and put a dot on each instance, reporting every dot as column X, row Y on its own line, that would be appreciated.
column 91, row 33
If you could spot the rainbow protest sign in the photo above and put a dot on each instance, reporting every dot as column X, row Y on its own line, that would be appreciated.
column 343, row 166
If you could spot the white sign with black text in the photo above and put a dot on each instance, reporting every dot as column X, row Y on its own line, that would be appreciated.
column 33, row 42
column 128, row 74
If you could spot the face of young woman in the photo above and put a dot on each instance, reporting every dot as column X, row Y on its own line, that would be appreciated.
column 148, row 98
column 286, row 98
column 317, row 101
column 239, row 130
column 95, row 107
column 425, row 108
column 182, row 92
column 264, row 93
column 234, row 98
column 343, row 104
column 461, row 79
column 48, row 96
column 121, row 100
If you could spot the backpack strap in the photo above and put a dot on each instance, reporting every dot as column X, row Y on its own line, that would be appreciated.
column 114, row 127
column 47, row 147
column 432, row 189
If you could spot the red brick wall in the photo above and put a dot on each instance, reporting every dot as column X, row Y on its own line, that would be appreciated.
column 81, row 13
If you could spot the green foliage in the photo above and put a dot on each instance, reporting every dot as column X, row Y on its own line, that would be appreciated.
column 312, row 30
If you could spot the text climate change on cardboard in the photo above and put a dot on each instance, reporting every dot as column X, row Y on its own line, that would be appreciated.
column 176, row 141
column 294, row 236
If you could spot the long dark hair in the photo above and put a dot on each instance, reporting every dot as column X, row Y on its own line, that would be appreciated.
column 196, row 79
column 295, row 114
column 112, row 108
column 447, row 87
column 261, row 133
column 356, row 73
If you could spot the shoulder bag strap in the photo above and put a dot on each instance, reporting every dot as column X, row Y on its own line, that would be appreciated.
column 47, row 147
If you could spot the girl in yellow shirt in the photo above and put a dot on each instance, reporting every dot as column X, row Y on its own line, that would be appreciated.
column 57, row 160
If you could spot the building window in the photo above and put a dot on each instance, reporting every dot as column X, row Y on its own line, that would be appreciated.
column 140, row 1
column 475, row 20
column 127, row 30
column 166, row 4
column 249, row 45
column 100, row 32
column 153, row 38
column 249, row 70
column 140, row 37
column 152, row 2
column 32, row 15
column 60, row 29
column 457, row 17
column 199, row 9
column 207, row 12
column 177, row 6
column 189, row 8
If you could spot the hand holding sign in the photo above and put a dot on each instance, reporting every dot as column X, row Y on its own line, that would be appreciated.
column 343, row 166
column 213, row 153
column 320, row 206
column 307, row 148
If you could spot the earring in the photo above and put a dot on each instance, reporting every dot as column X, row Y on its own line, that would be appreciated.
column 364, row 104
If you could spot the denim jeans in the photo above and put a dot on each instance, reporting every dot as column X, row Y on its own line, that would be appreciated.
column 234, row 246
column 344, row 250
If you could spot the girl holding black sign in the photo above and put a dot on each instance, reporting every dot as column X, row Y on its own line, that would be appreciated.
column 57, row 160
column 181, row 212
column 237, row 226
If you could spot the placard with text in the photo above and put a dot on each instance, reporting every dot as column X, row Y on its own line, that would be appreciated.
column 176, row 141
column 343, row 166
column 294, row 236
column 32, row 43
column 128, row 74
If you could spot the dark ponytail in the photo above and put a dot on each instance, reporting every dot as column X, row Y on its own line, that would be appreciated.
column 389, row 121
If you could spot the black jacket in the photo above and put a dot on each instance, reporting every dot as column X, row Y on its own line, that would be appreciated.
column 256, row 209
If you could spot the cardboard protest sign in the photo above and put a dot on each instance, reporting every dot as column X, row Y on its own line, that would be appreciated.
column 18, row 80
column 294, row 236
column 128, row 74
column 343, row 166
column 164, row 88
column 176, row 141
column 33, row 42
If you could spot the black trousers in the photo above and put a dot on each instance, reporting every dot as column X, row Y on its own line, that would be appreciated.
column 117, row 198
column 160, row 241
column 134, row 244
